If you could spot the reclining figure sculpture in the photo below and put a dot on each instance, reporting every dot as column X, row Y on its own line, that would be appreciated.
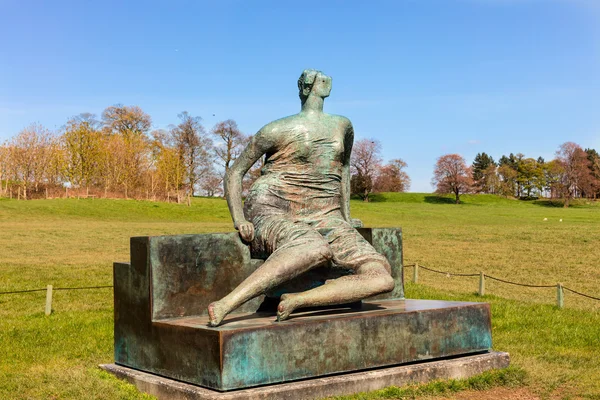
column 298, row 211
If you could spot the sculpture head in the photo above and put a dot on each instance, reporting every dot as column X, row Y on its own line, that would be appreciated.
column 315, row 82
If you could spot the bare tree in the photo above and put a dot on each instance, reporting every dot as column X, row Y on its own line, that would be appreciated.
column 451, row 175
column 29, row 155
column 392, row 177
column 211, row 184
column 365, row 162
column 126, row 120
column 231, row 142
column 193, row 146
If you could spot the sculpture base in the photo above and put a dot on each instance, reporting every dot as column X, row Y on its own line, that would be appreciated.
column 338, row 385
column 253, row 349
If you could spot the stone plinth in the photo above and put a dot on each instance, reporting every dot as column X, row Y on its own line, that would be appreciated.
column 318, row 388
column 253, row 349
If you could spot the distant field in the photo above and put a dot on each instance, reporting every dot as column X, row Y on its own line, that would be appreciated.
column 74, row 242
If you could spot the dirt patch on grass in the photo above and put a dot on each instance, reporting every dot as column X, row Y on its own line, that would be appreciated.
column 493, row 394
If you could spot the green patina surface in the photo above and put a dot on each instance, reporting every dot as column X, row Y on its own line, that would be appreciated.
column 315, row 346
column 161, row 326
column 190, row 271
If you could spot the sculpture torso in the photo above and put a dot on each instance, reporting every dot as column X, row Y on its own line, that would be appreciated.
column 303, row 170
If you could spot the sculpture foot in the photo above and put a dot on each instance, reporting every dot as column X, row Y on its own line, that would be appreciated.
column 216, row 313
column 286, row 306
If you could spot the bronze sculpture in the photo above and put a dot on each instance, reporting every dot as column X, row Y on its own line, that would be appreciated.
column 298, row 211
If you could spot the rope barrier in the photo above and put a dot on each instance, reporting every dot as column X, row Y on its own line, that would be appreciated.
column 81, row 288
column 446, row 273
column 502, row 280
column 519, row 284
column 24, row 291
column 581, row 294
column 67, row 288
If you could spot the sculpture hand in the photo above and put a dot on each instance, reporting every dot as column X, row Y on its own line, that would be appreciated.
column 246, row 230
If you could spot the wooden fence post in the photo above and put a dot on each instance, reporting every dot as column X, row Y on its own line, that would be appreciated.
column 481, row 284
column 416, row 273
column 48, row 299
column 560, row 297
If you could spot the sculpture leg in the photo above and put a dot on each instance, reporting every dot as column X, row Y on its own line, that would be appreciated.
column 370, row 279
column 283, row 265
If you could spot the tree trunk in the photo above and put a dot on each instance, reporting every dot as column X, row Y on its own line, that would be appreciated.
column 457, row 195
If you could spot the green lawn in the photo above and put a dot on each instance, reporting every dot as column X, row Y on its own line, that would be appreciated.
column 74, row 242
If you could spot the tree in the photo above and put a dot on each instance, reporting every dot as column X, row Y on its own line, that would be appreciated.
column 168, row 165
column 576, row 171
column 193, row 146
column 480, row 165
column 365, row 161
column 82, row 140
column 594, row 159
column 451, row 175
column 507, row 180
column 126, row 120
column 128, row 148
column 211, row 184
column 530, row 175
column 29, row 155
column 55, row 171
column 392, row 177
column 4, row 166
column 553, row 173
column 231, row 142
column 489, row 181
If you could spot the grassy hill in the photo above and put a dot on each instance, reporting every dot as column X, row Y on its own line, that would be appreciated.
column 74, row 242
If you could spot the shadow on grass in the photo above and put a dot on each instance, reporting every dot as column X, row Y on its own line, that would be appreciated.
column 440, row 200
column 549, row 203
column 373, row 198
column 557, row 203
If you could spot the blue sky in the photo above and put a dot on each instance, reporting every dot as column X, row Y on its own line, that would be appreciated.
column 425, row 77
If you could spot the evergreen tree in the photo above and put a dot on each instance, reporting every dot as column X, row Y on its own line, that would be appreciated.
column 481, row 167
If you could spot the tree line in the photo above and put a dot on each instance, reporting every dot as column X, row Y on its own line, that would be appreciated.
column 119, row 155
column 573, row 173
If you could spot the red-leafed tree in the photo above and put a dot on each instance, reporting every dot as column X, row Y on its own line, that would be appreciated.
column 451, row 175
column 365, row 162
column 392, row 177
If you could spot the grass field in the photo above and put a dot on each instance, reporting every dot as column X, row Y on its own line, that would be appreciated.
column 74, row 242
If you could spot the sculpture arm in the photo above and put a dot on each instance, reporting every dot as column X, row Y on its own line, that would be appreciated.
column 348, row 142
column 258, row 146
